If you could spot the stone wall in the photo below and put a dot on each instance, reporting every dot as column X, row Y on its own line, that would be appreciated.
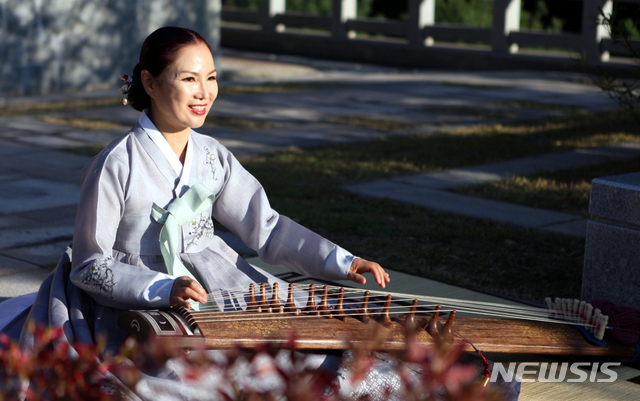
column 57, row 45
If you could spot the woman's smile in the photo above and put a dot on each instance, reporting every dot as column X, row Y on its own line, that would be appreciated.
column 199, row 109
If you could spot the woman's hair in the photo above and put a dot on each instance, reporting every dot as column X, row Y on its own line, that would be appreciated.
column 158, row 51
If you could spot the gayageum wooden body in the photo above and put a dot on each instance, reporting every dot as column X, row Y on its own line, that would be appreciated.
column 334, row 322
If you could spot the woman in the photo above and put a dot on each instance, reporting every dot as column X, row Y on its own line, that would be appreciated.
column 174, row 86
column 144, row 236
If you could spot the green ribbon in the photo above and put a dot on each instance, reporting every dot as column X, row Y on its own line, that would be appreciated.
column 181, row 211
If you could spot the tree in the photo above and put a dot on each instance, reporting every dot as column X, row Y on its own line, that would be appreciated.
column 626, row 92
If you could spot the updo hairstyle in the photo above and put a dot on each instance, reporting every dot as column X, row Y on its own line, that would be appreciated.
column 158, row 51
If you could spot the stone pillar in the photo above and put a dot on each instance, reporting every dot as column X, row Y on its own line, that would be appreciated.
column 158, row 13
column 343, row 10
column 592, row 29
column 612, row 249
column 208, row 25
column 506, row 19
column 421, row 13
column 268, row 10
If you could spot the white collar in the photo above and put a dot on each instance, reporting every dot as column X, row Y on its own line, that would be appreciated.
column 182, row 171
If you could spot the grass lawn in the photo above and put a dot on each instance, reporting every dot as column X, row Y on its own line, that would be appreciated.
column 523, row 263
column 527, row 264
column 565, row 191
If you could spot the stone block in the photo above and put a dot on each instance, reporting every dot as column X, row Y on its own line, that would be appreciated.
column 12, row 148
column 57, row 216
column 471, row 206
column 50, row 141
column 10, row 266
column 46, row 165
column 43, row 255
column 14, row 221
column 612, row 249
column 612, row 257
column 616, row 198
column 577, row 228
column 19, row 238
column 33, row 194
column 22, row 283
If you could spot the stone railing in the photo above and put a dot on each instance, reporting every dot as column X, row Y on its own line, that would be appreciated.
column 273, row 29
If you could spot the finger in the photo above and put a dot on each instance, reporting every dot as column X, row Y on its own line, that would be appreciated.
column 177, row 301
column 198, row 290
column 379, row 270
column 183, row 281
column 190, row 288
column 203, row 295
column 379, row 276
column 193, row 293
column 356, row 277
column 385, row 275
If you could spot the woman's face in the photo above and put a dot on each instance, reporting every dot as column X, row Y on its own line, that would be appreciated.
column 182, row 95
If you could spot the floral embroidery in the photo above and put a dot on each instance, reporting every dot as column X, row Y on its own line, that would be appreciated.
column 100, row 277
column 210, row 160
column 201, row 226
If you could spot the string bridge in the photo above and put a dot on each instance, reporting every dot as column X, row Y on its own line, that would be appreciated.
column 436, row 329
column 366, row 310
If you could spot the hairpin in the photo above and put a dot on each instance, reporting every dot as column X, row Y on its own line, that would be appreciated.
column 125, row 88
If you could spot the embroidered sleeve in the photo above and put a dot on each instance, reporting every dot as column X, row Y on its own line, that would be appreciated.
column 100, row 277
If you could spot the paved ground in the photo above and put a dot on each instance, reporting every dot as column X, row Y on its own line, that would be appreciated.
column 40, row 181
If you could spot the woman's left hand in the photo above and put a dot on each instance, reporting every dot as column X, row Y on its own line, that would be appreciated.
column 185, row 288
column 360, row 266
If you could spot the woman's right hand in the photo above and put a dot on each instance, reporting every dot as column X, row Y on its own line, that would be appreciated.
column 185, row 288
